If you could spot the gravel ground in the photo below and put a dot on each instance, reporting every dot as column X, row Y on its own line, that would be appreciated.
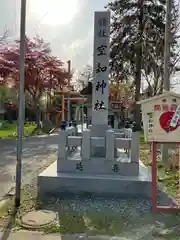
column 129, row 208
column 130, row 218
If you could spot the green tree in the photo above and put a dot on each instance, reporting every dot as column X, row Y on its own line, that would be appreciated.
column 7, row 95
column 137, row 46
column 42, row 70
column 120, row 91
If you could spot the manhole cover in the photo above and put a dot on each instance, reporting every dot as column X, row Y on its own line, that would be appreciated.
column 38, row 219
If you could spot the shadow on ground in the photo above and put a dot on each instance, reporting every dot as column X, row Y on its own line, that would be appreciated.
column 10, row 223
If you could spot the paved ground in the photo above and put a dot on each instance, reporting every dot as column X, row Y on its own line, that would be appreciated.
column 37, row 152
column 39, row 236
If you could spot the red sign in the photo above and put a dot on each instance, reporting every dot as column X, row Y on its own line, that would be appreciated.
column 165, row 120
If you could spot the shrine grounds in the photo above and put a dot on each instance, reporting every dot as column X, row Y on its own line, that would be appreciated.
column 10, row 130
column 90, row 215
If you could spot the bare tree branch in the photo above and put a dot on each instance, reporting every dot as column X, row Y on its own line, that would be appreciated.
column 3, row 38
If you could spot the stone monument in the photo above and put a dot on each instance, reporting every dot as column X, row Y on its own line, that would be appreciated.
column 103, row 160
column 100, row 91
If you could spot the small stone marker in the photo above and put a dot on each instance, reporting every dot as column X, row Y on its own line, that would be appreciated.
column 47, row 126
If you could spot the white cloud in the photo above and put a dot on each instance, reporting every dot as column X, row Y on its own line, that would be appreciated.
column 54, row 12
column 73, row 40
column 80, row 50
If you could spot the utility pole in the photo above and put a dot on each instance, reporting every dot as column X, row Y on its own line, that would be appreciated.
column 168, row 41
column 20, row 104
column 82, row 115
column 137, row 115
column 69, row 94
column 167, row 45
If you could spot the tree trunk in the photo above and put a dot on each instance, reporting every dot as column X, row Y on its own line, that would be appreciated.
column 36, row 99
column 137, row 112
column 9, row 116
column 38, row 122
column 161, row 86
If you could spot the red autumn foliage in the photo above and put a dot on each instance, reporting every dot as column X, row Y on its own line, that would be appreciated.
column 42, row 70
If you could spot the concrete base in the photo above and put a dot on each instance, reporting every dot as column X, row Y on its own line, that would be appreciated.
column 51, row 182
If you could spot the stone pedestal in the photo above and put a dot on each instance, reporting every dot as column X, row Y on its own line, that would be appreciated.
column 82, row 172
column 98, row 131
column 51, row 182
column 95, row 166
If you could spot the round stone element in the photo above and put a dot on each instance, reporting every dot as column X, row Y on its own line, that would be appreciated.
column 38, row 219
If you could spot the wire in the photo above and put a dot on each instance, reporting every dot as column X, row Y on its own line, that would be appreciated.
column 43, row 16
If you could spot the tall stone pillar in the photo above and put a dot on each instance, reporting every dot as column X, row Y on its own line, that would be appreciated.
column 100, row 91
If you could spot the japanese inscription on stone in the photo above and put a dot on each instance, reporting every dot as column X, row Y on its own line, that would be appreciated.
column 101, row 68
column 101, row 50
column 99, row 105
column 79, row 166
column 115, row 168
column 100, row 86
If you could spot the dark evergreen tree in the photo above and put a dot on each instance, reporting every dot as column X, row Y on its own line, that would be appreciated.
column 125, row 38
column 137, row 42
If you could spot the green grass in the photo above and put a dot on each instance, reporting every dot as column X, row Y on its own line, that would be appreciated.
column 90, row 222
column 69, row 221
column 167, row 178
column 142, row 142
column 10, row 130
column 36, row 132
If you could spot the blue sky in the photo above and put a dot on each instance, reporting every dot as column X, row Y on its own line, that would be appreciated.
column 66, row 24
